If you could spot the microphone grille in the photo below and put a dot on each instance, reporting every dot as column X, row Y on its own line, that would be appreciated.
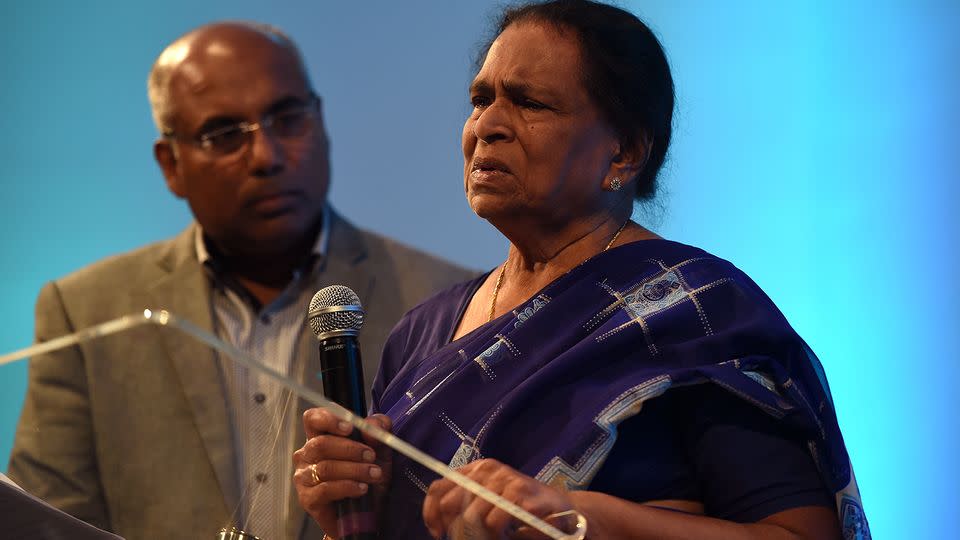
column 333, row 320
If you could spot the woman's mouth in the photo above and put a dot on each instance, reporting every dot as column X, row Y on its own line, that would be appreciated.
column 486, row 168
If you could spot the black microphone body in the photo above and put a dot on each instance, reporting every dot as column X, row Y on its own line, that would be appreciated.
column 342, row 375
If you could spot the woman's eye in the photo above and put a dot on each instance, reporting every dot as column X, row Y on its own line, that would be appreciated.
column 532, row 105
column 479, row 101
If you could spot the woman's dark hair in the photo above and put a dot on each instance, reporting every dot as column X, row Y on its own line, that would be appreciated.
column 625, row 72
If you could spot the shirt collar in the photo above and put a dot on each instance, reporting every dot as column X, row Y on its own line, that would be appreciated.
column 320, row 247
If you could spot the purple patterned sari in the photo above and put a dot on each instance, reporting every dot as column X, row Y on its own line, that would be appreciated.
column 544, row 388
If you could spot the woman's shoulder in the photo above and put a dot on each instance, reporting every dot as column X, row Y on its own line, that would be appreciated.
column 426, row 327
column 669, row 256
column 430, row 323
column 661, row 269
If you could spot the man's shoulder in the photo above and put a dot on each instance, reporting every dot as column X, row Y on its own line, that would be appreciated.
column 413, row 256
column 124, row 270
column 413, row 273
column 414, row 270
column 446, row 303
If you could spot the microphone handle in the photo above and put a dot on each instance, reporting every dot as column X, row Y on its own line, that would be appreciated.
column 342, row 373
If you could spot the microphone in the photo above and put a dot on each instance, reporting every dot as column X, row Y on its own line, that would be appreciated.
column 335, row 316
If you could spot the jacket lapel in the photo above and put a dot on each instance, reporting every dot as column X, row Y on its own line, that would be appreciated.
column 345, row 263
column 185, row 292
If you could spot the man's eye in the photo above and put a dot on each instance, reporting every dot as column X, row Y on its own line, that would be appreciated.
column 224, row 139
column 291, row 123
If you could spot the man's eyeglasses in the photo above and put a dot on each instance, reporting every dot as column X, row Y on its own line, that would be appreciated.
column 289, row 123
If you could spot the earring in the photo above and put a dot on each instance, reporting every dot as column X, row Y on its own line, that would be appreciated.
column 615, row 184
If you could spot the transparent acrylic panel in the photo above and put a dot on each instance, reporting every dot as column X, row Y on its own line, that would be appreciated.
column 565, row 526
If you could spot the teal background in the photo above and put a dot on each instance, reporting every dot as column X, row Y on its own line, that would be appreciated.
column 815, row 147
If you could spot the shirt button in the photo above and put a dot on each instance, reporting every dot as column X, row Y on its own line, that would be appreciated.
column 265, row 319
column 261, row 477
column 259, row 397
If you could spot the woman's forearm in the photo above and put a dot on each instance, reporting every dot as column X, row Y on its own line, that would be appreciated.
column 610, row 517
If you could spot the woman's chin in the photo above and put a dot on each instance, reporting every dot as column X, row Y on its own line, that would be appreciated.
column 492, row 212
column 492, row 205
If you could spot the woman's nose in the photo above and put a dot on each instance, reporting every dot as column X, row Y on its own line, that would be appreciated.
column 494, row 123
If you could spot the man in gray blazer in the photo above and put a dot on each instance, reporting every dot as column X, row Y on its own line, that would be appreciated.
column 148, row 433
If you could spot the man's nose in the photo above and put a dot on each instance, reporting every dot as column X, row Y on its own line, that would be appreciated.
column 266, row 153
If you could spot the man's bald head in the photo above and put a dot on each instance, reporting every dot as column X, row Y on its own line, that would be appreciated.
column 211, row 40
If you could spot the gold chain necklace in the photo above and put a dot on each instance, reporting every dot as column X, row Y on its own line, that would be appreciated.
column 503, row 268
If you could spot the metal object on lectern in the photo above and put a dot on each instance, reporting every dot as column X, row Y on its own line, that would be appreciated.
column 234, row 533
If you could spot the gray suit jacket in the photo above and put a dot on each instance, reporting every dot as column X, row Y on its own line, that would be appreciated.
column 131, row 432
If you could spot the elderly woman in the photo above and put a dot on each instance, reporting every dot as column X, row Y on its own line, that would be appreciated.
column 648, row 385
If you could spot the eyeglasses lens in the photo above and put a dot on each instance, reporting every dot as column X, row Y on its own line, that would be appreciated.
column 287, row 125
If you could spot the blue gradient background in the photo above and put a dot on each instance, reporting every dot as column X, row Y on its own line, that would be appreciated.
column 815, row 147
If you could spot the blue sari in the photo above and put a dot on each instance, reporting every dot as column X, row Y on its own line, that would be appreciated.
column 544, row 388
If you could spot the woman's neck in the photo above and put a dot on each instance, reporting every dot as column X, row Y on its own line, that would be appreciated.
column 539, row 256
column 534, row 263
column 542, row 257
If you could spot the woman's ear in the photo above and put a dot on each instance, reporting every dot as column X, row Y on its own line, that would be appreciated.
column 629, row 160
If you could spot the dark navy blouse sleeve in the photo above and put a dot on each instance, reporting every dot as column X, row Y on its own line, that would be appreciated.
column 705, row 444
column 748, row 464
column 390, row 362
